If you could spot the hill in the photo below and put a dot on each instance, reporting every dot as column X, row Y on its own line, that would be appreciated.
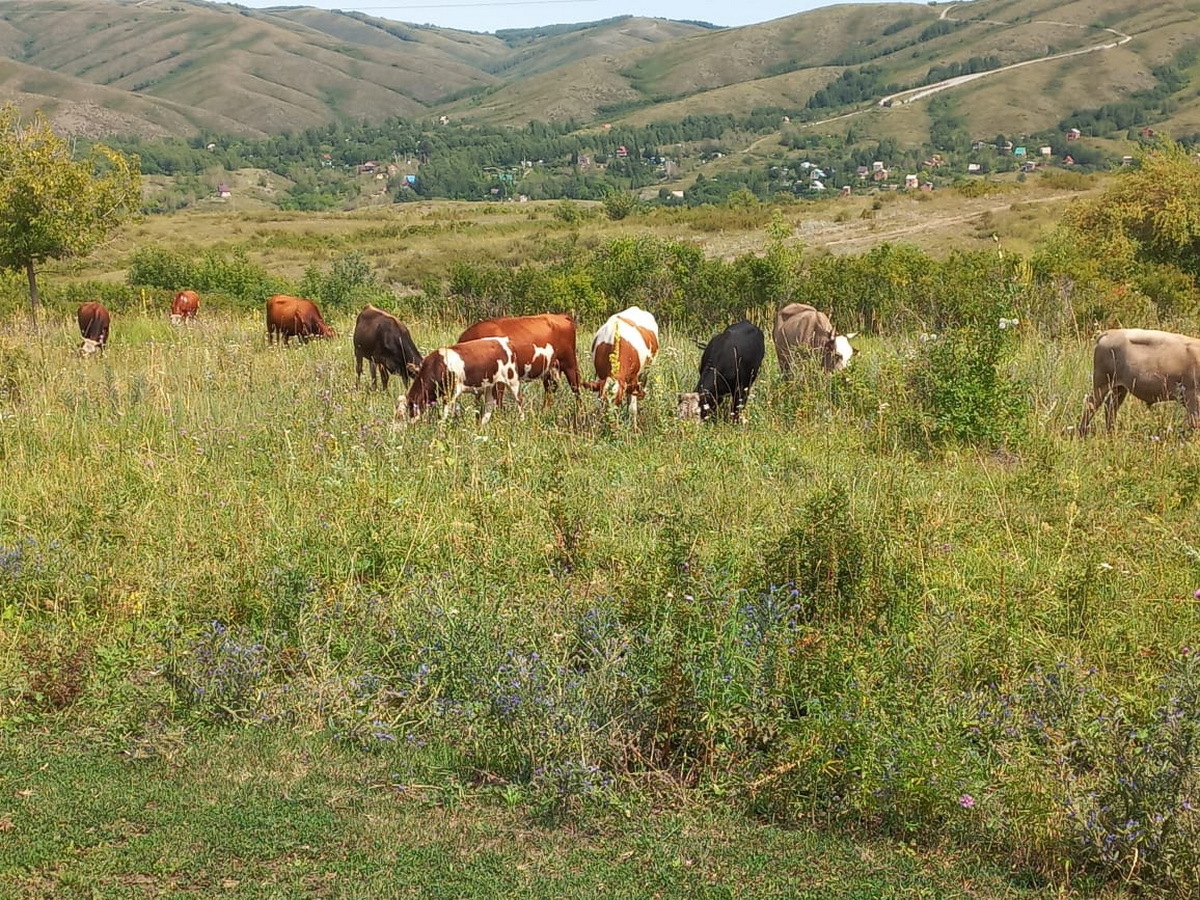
column 186, row 67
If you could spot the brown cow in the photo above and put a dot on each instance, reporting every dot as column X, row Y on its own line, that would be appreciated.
column 184, row 307
column 802, row 331
column 475, row 367
column 1151, row 365
column 384, row 341
column 290, row 317
column 544, row 347
column 93, row 325
column 622, row 351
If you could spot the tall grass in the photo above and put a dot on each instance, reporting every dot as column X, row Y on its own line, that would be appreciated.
column 812, row 616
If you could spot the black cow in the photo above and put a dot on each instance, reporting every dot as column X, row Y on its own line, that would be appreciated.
column 728, row 367
column 384, row 341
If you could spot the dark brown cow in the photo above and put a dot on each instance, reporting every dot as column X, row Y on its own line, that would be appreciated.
column 93, row 325
column 475, row 367
column 543, row 346
column 289, row 317
column 184, row 307
column 622, row 351
column 1152, row 365
column 802, row 331
column 384, row 341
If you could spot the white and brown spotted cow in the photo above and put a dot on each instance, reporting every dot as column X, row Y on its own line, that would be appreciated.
column 622, row 351
column 1151, row 365
column 475, row 367
column 544, row 347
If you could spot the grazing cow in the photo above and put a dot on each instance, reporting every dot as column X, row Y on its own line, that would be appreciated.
column 728, row 368
column 384, row 341
column 184, row 307
column 622, row 351
column 289, row 317
column 475, row 367
column 544, row 347
column 802, row 331
column 1151, row 365
column 93, row 325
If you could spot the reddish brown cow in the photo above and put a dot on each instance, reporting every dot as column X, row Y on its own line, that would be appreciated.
column 1151, row 365
column 289, row 317
column 543, row 347
column 384, row 341
column 93, row 325
column 802, row 331
column 184, row 307
column 622, row 351
column 475, row 367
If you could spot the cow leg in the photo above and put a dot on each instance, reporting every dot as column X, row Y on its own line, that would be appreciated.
column 1191, row 403
column 1112, row 404
column 487, row 399
column 358, row 370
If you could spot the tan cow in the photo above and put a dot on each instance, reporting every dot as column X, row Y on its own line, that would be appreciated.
column 1152, row 365
column 801, row 331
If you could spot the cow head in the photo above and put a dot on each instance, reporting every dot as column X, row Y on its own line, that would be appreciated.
column 690, row 408
column 89, row 346
column 837, row 352
column 176, row 319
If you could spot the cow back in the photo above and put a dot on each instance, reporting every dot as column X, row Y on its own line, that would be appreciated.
column 94, row 321
column 540, row 343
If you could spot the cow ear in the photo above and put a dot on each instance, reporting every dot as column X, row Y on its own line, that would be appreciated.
column 852, row 335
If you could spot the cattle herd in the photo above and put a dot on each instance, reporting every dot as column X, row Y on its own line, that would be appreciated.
column 498, row 355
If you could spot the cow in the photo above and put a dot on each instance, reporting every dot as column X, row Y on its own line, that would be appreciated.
column 1151, row 365
column 475, row 367
column 93, row 325
column 728, row 367
column 289, row 317
column 544, row 347
column 384, row 342
column 801, row 331
column 184, row 307
column 622, row 351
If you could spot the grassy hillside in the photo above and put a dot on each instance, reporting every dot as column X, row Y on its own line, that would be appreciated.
column 152, row 69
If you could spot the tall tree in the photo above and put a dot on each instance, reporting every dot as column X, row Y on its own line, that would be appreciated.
column 52, row 205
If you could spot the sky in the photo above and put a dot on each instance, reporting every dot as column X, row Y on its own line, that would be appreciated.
column 495, row 15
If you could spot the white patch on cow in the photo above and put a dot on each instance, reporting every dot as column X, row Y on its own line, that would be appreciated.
column 90, row 346
column 841, row 346
column 546, row 353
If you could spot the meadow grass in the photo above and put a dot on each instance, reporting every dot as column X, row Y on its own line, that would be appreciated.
column 211, row 548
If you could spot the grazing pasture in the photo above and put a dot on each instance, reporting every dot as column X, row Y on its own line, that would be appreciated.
column 797, row 618
column 899, row 633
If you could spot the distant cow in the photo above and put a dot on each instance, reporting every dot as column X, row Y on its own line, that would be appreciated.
column 1151, row 365
column 184, row 307
column 543, row 346
column 728, row 367
column 802, row 331
column 384, row 341
column 475, row 367
column 93, row 325
column 289, row 317
column 622, row 351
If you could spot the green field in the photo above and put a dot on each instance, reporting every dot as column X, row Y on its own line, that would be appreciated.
column 259, row 641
